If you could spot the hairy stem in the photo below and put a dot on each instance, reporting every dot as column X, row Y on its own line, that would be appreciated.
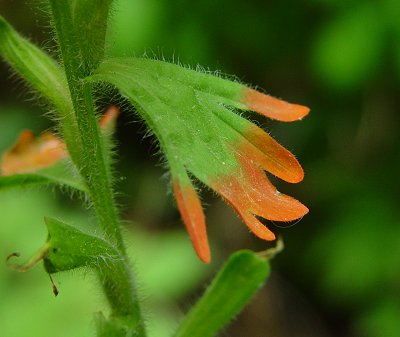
column 119, row 287
column 91, row 162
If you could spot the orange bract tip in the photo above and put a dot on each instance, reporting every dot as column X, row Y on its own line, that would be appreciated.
column 30, row 154
column 272, row 107
column 110, row 116
column 192, row 215
column 250, row 193
column 272, row 156
column 258, row 228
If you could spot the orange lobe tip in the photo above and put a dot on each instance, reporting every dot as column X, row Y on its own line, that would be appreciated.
column 193, row 217
column 272, row 156
column 272, row 107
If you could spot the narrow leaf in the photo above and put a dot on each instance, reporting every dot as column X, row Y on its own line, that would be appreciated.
column 233, row 287
column 34, row 66
column 61, row 174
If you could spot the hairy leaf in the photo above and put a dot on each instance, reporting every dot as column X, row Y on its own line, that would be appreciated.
column 35, row 66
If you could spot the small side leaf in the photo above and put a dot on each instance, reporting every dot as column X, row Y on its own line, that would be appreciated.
column 239, row 279
column 69, row 248
column 22, row 180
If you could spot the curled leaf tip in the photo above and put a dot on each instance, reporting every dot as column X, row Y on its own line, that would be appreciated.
column 272, row 107
column 193, row 217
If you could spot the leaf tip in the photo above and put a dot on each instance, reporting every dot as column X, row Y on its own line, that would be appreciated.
column 272, row 107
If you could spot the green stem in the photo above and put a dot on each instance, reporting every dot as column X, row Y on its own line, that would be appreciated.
column 91, row 162
column 119, row 289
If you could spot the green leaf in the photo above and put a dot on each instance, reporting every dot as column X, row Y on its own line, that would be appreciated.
column 22, row 180
column 233, row 287
column 61, row 174
column 68, row 248
column 34, row 66
column 90, row 22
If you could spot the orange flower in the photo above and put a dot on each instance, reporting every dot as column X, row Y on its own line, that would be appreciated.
column 30, row 153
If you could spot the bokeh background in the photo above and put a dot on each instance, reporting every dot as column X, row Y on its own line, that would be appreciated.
column 340, row 272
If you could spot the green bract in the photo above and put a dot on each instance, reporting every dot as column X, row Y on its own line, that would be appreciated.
column 178, row 111
column 191, row 113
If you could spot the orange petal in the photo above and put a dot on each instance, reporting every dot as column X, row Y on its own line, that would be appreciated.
column 192, row 214
column 272, row 156
column 272, row 107
column 30, row 154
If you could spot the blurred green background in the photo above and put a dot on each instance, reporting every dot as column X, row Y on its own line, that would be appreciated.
column 340, row 272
